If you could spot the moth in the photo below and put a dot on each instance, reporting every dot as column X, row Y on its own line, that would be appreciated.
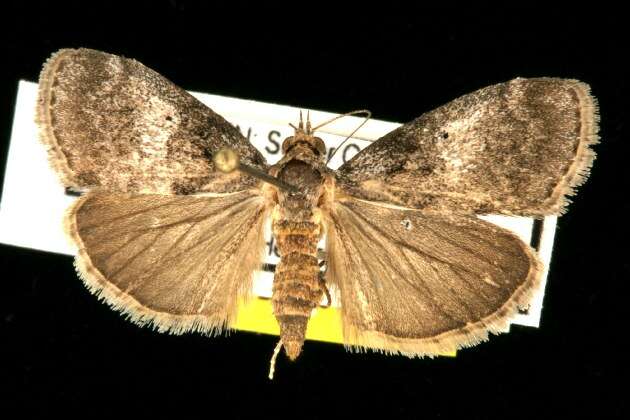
column 170, row 227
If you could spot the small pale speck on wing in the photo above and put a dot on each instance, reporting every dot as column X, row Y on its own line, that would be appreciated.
column 407, row 224
column 488, row 279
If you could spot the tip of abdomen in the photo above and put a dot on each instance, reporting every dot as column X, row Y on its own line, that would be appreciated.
column 292, row 333
column 292, row 348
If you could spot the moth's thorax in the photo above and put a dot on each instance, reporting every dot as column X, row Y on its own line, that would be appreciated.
column 304, row 167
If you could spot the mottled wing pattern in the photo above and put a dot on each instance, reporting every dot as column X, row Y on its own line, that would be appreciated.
column 180, row 263
column 111, row 122
column 423, row 283
column 513, row 148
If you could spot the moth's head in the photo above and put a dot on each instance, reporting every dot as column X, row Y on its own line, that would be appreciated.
column 304, row 138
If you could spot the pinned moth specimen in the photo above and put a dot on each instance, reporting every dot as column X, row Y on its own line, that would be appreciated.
column 170, row 227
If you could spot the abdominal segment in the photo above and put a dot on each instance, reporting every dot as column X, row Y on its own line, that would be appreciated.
column 296, row 288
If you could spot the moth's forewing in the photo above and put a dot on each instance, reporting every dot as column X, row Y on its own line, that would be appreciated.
column 424, row 283
column 513, row 148
column 111, row 122
column 179, row 263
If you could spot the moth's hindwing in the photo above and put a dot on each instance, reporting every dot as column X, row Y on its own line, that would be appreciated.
column 424, row 283
column 179, row 263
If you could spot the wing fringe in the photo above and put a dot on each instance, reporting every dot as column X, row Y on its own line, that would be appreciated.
column 581, row 167
column 43, row 119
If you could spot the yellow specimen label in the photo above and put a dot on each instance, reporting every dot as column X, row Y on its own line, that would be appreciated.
column 324, row 325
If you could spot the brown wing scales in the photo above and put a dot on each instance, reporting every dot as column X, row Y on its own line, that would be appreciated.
column 513, row 148
column 423, row 283
column 111, row 122
column 416, row 282
column 180, row 263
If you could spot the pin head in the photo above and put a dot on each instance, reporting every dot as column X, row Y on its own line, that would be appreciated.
column 226, row 160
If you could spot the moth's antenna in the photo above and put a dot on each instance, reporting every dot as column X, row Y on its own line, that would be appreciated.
column 368, row 115
column 272, row 363
column 227, row 160
column 347, row 114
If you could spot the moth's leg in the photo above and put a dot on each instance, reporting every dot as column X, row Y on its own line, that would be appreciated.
column 322, row 276
column 322, row 283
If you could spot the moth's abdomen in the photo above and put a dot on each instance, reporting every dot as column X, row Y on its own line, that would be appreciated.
column 296, row 287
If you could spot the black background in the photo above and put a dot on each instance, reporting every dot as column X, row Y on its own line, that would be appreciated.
column 62, row 349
